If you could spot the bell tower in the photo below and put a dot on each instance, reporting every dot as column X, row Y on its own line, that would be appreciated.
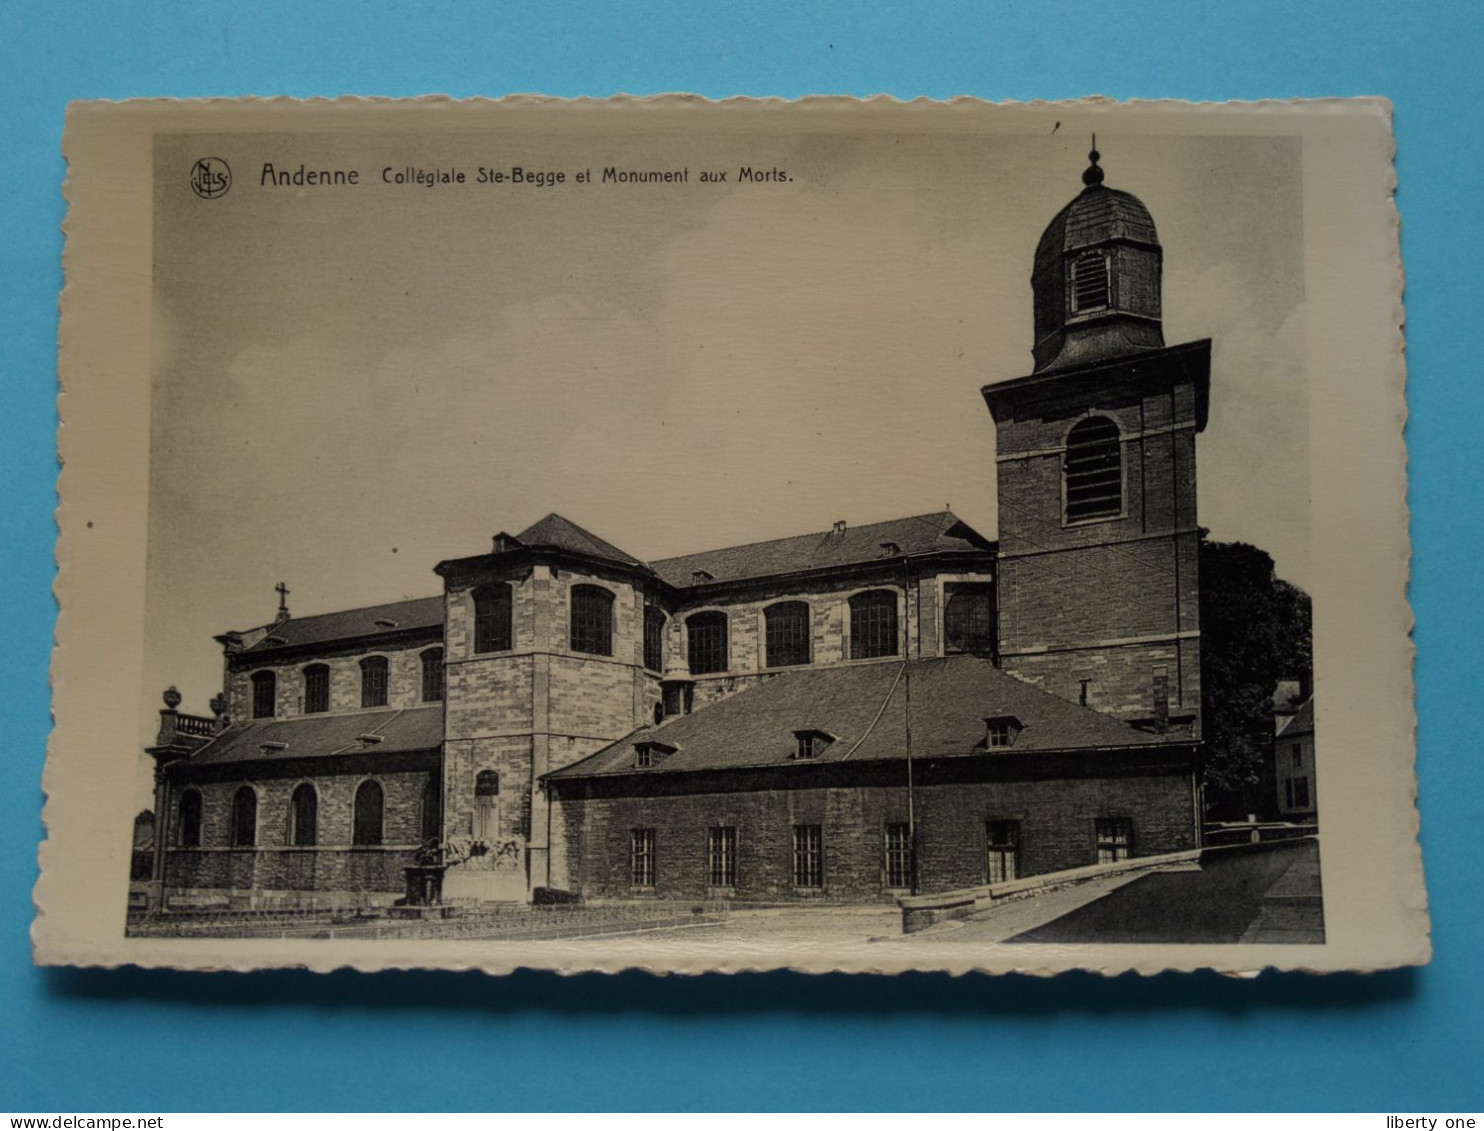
column 1099, row 581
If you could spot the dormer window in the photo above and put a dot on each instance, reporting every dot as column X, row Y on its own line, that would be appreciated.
column 1001, row 731
column 384, row 622
column 890, row 549
column 811, row 743
column 647, row 755
column 701, row 576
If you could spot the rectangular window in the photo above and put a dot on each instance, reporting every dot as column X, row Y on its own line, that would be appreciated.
column 493, row 619
column 1115, row 839
column 1298, row 755
column 999, row 732
column 677, row 698
column 808, row 856
column 1002, row 842
column 641, row 858
column 1296, row 792
column 721, row 856
column 898, row 855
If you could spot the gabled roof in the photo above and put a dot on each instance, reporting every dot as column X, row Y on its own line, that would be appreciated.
column 558, row 533
column 862, row 707
column 1302, row 722
column 319, row 736
column 920, row 534
column 418, row 613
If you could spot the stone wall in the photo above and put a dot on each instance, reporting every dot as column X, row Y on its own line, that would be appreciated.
column 404, row 682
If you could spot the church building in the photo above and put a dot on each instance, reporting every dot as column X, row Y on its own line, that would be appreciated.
column 843, row 716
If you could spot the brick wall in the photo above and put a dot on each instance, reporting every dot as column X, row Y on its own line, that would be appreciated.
column 1108, row 601
column 1057, row 832
column 332, row 865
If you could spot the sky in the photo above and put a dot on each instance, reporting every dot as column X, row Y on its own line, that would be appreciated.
column 351, row 384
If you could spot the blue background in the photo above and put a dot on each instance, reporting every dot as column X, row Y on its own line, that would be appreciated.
column 90, row 1040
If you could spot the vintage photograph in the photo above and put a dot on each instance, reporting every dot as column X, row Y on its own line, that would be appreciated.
column 847, row 536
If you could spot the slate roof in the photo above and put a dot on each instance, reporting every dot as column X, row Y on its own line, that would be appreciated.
column 919, row 534
column 319, row 736
column 1301, row 723
column 420, row 612
column 1095, row 215
column 951, row 698
column 556, row 532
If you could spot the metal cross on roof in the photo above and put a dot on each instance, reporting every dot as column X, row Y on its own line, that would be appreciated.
column 283, row 600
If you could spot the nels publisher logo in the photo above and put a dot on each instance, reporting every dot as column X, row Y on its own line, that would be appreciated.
column 210, row 178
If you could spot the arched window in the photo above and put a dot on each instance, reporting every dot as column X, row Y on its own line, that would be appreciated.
column 968, row 620
column 788, row 633
column 873, row 625
column 264, row 691
column 431, row 809
column 373, row 681
column 304, row 817
column 1094, row 471
column 433, row 675
column 486, row 805
column 654, row 638
column 369, row 811
column 492, row 619
column 316, row 689
column 706, row 643
column 245, row 817
column 1090, row 282
column 189, row 829
column 592, row 620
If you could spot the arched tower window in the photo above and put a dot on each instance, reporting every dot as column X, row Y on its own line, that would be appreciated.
column 189, row 830
column 370, row 808
column 1094, row 471
column 433, row 675
column 304, row 817
column 873, row 625
column 486, row 805
column 374, row 679
column 264, row 692
column 968, row 620
column 492, row 619
column 245, row 817
column 706, row 643
column 592, row 620
column 787, row 626
column 1090, row 289
column 316, row 688
column 654, row 638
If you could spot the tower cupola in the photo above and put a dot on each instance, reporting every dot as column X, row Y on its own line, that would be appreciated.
column 1097, row 278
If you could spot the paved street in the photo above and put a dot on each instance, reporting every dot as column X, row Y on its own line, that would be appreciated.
column 1263, row 897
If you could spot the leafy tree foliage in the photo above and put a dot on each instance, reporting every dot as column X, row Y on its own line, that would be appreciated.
column 1256, row 630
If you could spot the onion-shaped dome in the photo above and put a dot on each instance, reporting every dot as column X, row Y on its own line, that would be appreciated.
column 1097, row 278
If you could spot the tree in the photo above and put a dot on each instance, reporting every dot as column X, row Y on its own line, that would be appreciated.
column 1256, row 630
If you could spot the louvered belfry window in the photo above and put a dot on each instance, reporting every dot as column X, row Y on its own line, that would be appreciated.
column 1094, row 471
column 1090, row 282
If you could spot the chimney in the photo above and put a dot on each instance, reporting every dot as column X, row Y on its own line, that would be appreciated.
column 840, row 526
column 1161, row 699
